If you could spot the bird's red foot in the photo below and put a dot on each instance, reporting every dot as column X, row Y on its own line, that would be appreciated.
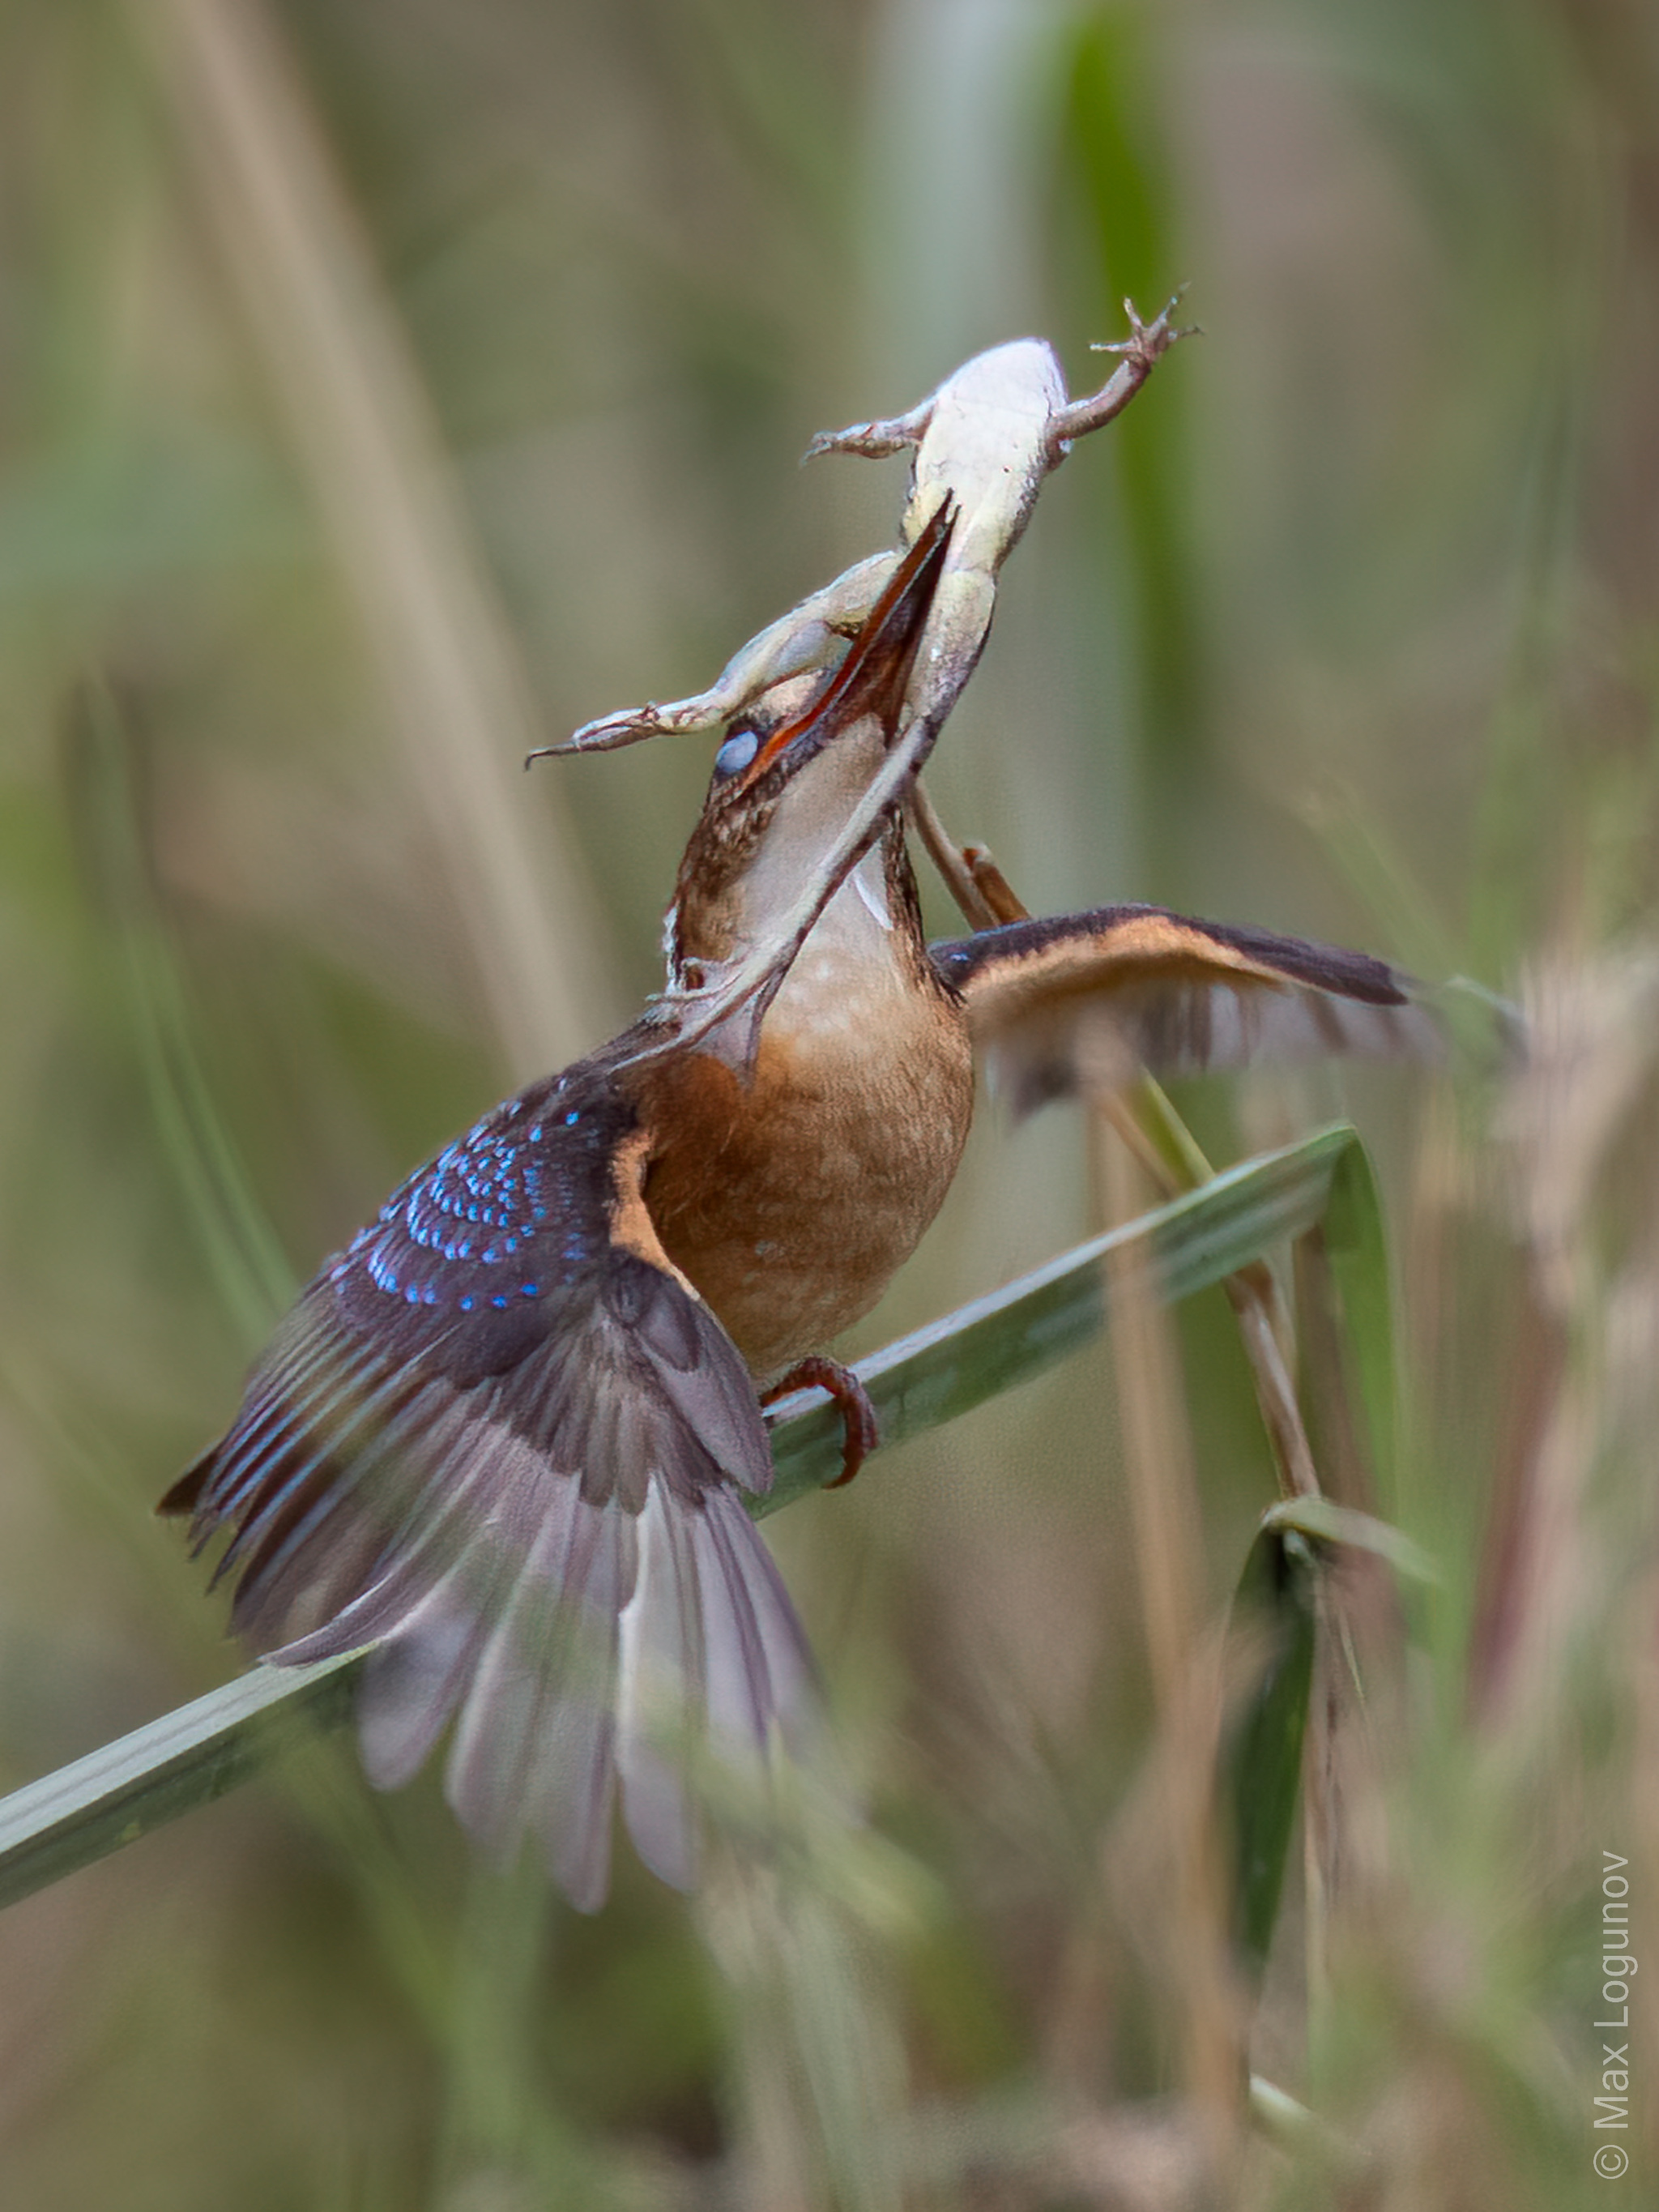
column 860, row 1434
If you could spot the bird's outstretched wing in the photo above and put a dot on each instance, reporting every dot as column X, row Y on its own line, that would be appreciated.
column 502, row 1439
column 1078, row 1004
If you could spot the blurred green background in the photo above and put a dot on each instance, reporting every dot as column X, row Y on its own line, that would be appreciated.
column 388, row 384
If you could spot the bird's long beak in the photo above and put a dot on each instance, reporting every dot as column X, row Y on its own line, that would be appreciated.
column 873, row 679
column 780, row 833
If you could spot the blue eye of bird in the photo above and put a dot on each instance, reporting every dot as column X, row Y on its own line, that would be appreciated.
column 737, row 752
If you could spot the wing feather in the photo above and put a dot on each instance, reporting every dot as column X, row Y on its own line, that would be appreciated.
column 661, row 1644
column 1079, row 1004
column 757, row 1661
column 502, row 1441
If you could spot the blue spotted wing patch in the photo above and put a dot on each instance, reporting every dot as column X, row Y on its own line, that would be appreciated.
column 515, row 1212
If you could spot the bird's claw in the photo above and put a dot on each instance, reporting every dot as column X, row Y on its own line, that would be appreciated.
column 860, row 1433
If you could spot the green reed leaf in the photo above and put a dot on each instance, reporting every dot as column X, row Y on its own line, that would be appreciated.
column 188, row 1758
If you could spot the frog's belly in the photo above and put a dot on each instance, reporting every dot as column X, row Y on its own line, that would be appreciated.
column 791, row 1203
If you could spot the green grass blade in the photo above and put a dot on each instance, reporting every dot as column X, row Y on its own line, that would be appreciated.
column 187, row 1757
column 250, row 1269
column 1262, row 1755
column 1330, row 1523
column 1356, row 1250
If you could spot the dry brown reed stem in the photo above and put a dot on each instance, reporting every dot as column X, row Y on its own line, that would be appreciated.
column 1252, row 1291
column 985, row 897
column 819, row 2087
column 1592, row 1025
column 1163, row 1506
column 1169, row 1543
column 363, row 429
column 1162, row 1487
column 1514, row 1561
column 1254, row 1297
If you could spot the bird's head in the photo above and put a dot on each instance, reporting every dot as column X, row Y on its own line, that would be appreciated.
column 792, row 777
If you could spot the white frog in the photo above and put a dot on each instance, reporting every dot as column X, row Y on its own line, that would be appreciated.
column 987, row 438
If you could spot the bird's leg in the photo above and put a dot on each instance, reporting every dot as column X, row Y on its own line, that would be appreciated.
column 992, row 886
column 971, row 875
column 859, row 1434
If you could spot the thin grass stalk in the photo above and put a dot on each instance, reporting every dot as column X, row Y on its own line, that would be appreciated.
column 1263, row 1326
column 1154, row 1143
column 493, row 2102
column 250, row 1270
column 819, row 2084
column 362, row 427
column 1259, row 1311
column 1593, row 1026
column 1167, row 1526
column 1169, row 1157
column 1330, row 1412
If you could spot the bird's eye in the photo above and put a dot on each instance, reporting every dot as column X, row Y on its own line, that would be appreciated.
column 735, row 754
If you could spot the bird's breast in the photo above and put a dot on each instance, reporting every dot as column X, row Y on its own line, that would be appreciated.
column 791, row 1199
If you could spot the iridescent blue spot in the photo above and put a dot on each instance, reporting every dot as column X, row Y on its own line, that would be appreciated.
column 511, row 1245
column 472, row 1213
column 530, row 1290
column 499, row 1302
column 429, row 1296
column 467, row 1304
column 737, row 752
column 572, row 1118
column 539, row 1212
column 411, row 1294
column 536, row 1134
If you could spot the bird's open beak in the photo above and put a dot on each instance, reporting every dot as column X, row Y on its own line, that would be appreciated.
column 873, row 679
column 775, row 844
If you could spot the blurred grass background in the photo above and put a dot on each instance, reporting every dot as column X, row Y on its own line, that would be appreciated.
column 389, row 384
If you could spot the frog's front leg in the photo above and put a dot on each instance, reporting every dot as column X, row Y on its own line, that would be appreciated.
column 811, row 637
column 876, row 441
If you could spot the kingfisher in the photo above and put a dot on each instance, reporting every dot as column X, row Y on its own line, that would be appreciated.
column 506, row 1438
